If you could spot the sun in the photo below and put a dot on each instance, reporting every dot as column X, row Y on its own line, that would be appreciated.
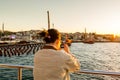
column 116, row 34
column 113, row 30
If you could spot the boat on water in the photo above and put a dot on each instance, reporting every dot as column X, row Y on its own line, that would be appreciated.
column 88, row 38
column 89, row 41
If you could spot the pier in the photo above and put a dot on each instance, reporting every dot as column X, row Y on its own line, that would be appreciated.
column 8, row 50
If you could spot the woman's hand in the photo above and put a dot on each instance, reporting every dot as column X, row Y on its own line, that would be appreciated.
column 66, row 48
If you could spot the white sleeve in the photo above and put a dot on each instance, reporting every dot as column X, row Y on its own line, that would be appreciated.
column 71, row 62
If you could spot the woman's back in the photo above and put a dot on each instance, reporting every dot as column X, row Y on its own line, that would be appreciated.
column 51, row 65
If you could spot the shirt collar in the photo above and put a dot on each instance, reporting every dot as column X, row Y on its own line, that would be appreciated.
column 49, row 47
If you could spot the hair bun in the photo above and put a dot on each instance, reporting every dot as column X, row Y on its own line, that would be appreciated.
column 50, row 35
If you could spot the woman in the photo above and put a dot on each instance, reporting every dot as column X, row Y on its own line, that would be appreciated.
column 51, row 62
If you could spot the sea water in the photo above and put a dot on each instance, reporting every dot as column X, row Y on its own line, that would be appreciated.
column 98, row 56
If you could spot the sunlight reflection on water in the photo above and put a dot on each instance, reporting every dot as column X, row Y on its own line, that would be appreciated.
column 98, row 56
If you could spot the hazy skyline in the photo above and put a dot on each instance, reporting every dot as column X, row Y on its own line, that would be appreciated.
column 100, row 16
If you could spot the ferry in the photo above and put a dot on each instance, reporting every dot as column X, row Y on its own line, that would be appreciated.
column 89, row 41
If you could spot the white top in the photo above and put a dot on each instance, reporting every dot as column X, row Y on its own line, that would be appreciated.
column 50, row 64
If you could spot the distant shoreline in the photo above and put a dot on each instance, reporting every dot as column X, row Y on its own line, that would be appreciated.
column 98, row 41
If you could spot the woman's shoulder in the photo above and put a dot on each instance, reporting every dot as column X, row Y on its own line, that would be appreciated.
column 63, row 53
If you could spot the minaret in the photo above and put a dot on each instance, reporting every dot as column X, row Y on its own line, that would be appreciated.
column 85, row 33
column 48, row 20
column 3, row 29
column 53, row 25
column 85, row 30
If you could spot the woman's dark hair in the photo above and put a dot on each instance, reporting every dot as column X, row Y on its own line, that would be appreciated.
column 50, row 35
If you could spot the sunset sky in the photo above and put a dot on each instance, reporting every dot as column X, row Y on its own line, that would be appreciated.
column 100, row 16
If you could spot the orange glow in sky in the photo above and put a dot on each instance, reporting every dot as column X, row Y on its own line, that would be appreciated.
column 100, row 16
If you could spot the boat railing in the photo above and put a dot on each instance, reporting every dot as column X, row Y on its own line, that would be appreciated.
column 20, row 67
